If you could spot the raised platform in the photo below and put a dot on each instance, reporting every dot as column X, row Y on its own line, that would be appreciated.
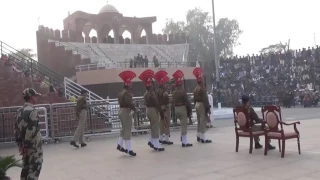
column 217, row 161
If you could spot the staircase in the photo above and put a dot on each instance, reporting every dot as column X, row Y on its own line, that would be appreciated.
column 36, row 69
column 98, row 47
column 170, row 58
column 161, row 53
column 98, row 52
column 82, row 52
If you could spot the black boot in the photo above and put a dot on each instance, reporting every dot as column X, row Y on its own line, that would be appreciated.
column 158, row 149
column 271, row 147
column 83, row 144
column 161, row 142
column 73, row 143
column 131, row 153
column 150, row 144
column 206, row 141
column 121, row 149
column 187, row 145
column 198, row 139
column 258, row 146
column 167, row 142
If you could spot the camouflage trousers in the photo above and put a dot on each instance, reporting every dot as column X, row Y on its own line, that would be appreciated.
column 32, row 164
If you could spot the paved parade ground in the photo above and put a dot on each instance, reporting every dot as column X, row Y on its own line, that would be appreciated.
column 216, row 161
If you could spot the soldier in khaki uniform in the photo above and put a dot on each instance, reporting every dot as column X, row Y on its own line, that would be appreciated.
column 81, row 114
column 28, row 137
column 154, row 111
column 182, row 106
column 202, row 106
column 126, row 106
column 163, row 97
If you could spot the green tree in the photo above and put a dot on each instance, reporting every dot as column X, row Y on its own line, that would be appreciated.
column 28, row 52
column 199, row 27
column 279, row 47
column 24, row 52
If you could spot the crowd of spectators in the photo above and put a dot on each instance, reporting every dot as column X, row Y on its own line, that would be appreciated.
column 20, row 66
column 289, row 77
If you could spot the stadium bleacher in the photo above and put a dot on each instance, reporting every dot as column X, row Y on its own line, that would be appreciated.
column 115, row 53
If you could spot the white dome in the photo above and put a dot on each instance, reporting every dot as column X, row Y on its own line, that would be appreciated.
column 108, row 8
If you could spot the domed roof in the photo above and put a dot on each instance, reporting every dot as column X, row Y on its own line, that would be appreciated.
column 108, row 8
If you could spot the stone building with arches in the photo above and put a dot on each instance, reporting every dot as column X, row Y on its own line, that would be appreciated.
column 63, row 50
column 109, row 19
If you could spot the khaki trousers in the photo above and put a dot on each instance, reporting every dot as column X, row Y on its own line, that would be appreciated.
column 126, row 123
column 181, row 114
column 202, row 117
column 154, row 118
column 79, row 134
column 163, row 129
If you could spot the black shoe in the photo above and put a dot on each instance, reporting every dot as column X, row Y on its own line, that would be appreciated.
column 121, row 149
column 198, row 139
column 131, row 153
column 258, row 146
column 83, row 144
column 72, row 143
column 159, row 149
column 150, row 144
column 167, row 142
column 161, row 142
column 187, row 145
column 271, row 147
column 206, row 141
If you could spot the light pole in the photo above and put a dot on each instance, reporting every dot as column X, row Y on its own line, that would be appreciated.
column 216, row 57
column 38, row 22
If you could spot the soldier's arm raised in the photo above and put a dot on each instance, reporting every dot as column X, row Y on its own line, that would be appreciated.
column 32, row 129
column 129, row 101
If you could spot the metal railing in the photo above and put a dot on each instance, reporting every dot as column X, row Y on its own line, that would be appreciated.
column 99, row 66
column 27, row 63
column 37, row 70
column 59, row 120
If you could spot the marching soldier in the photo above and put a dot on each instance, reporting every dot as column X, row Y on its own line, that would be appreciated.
column 28, row 137
column 182, row 106
column 81, row 114
column 126, row 106
column 202, row 106
column 163, row 98
column 154, row 111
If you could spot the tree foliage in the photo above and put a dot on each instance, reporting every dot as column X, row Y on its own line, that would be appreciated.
column 279, row 47
column 199, row 27
column 24, row 52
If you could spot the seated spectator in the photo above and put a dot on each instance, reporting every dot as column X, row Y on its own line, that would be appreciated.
column 254, row 117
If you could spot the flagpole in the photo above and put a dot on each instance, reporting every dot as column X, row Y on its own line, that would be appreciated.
column 216, row 57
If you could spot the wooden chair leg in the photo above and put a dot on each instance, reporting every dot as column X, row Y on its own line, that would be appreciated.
column 251, row 145
column 279, row 145
column 283, row 148
column 237, row 143
column 298, row 140
column 266, row 146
